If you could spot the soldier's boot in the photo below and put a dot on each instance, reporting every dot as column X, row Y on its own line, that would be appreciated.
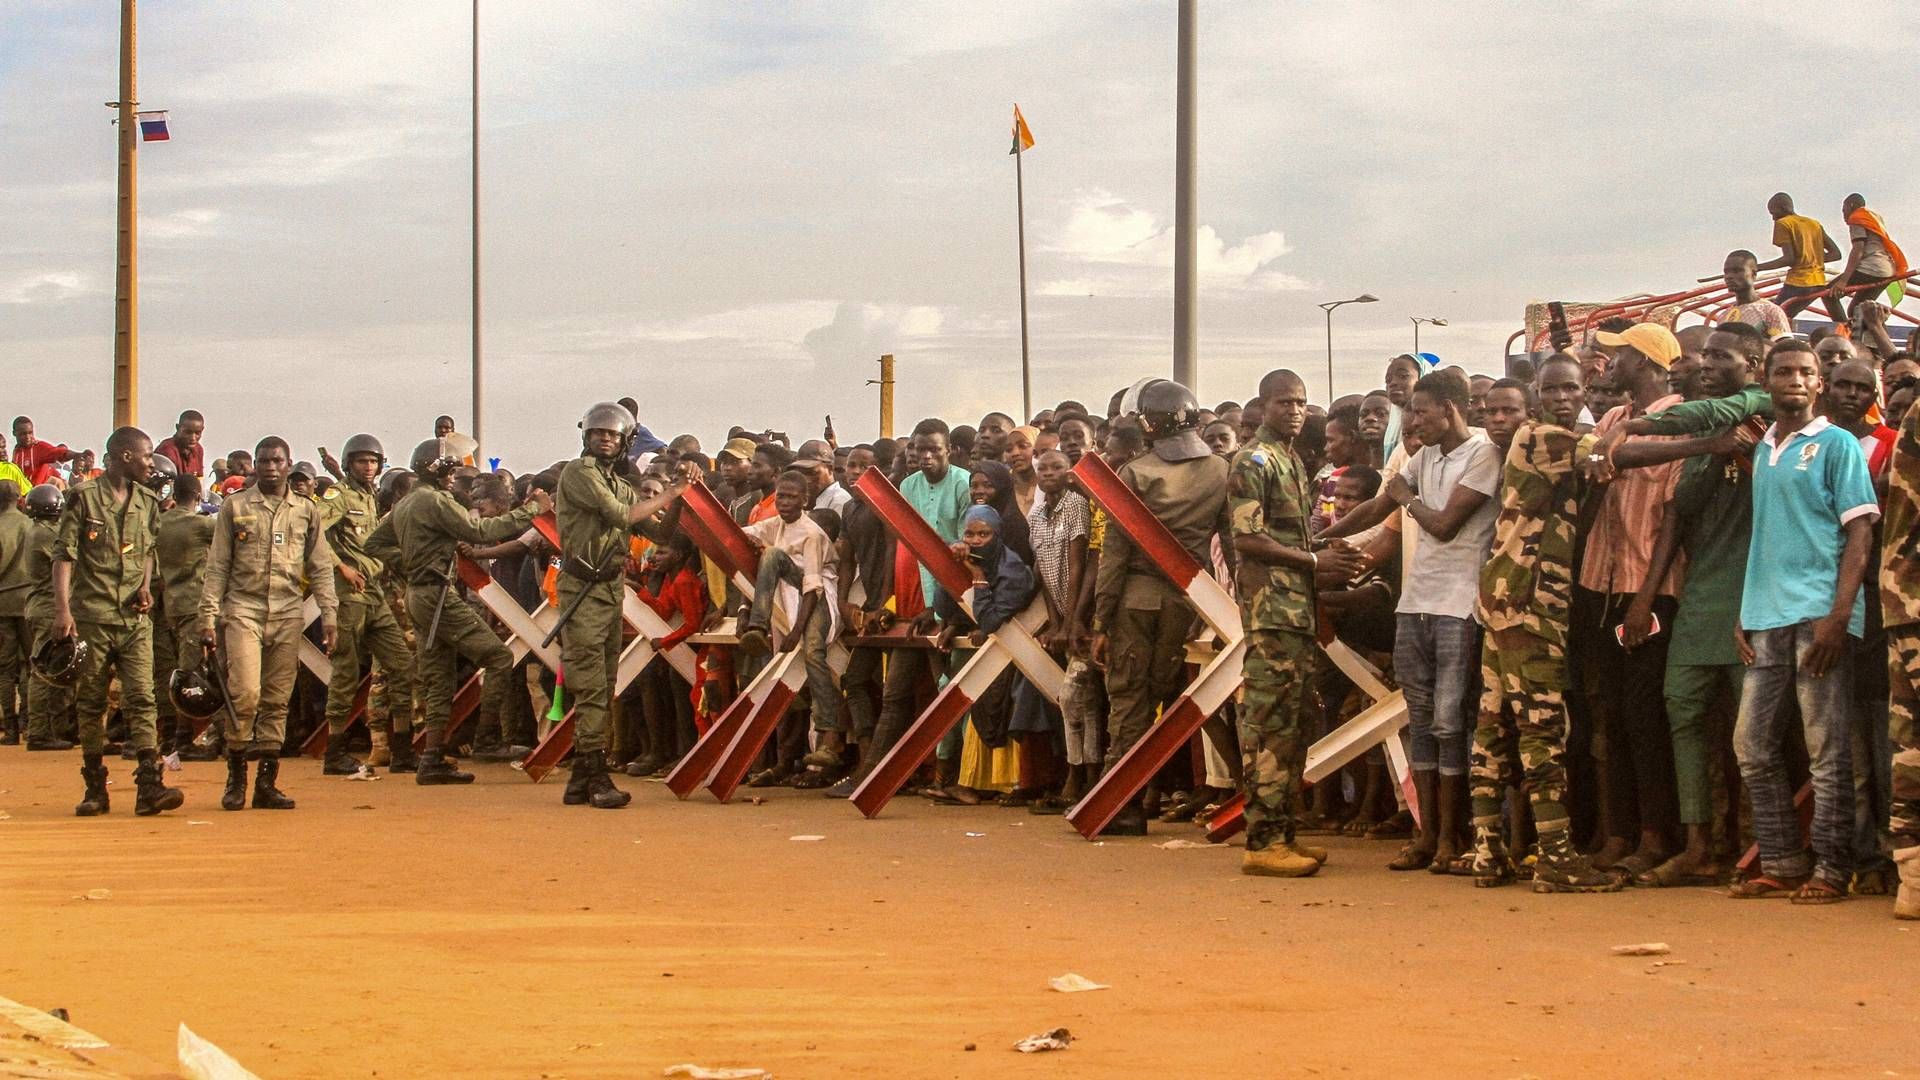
column 434, row 767
column 93, row 772
column 1130, row 821
column 1312, row 851
column 338, row 762
column 1280, row 860
column 578, row 792
column 600, row 787
column 151, row 796
column 10, row 731
column 235, row 797
column 1562, row 869
column 377, row 754
column 1492, row 865
column 1906, row 902
column 267, row 796
column 49, row 741
column 404, row 759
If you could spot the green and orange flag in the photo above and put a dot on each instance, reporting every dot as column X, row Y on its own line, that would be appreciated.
column 1022, row 135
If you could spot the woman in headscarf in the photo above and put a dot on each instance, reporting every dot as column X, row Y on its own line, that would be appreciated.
column 1003, row 585
column 995, row 485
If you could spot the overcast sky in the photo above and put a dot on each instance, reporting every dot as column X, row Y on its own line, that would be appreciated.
column 730, row 215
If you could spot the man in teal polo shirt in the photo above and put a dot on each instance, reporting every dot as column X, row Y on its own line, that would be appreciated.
column 1813, row 514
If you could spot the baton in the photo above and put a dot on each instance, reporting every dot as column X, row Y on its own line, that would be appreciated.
column 433, row 628
column 219, row 667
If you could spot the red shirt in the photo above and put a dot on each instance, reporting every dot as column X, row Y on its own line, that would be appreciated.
column 192, row 462
column 38, row 459
column 685, row 593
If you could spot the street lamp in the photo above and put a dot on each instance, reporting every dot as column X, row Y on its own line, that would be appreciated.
column 1363, row 298
column 1417, row 320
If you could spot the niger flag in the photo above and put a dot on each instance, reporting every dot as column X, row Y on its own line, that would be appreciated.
column 1022, row 135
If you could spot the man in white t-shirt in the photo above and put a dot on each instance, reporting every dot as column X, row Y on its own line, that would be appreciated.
column 1447, row 489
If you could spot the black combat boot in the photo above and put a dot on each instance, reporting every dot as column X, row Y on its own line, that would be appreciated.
column 235, row 797
column 151, row 796
column 265, row 795
column 48, row 742
column 579, row 791
column 600, row 788
column 94, row 772
column 10, row 731
column 1130, row 821
column 338, row 761
column 400, row 745
column 1561, row 869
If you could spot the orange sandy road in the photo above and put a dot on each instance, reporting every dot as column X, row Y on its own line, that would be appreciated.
column 489, row 931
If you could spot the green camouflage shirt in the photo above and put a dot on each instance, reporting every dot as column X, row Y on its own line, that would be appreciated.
column 1527, row 580
column 40, row 545
column 109, row 544
column 1900, row 526
column 590, row 510
column 349, row 514
column 419, row 535
column 16, row 535
column 1267, row 496
column 186, row 535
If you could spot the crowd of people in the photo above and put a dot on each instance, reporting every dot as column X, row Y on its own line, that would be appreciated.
column 1634, row 592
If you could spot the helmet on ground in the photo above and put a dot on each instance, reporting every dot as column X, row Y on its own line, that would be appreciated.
column 195, row 693
column 1170, row 414
column 433, row 459
column 362, row 444
column 44, row 502
column 58, row 661
column 611, row 416
column 160, row 480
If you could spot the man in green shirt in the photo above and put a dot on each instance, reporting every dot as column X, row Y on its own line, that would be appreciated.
column 1712, row 523
column 102, row 572
column 597, row 511
column 16, row 647
column 421, row 536
column 186, row 535
column 49, row 707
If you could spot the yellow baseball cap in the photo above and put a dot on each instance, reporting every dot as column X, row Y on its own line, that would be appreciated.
column 1651, row 340
column 740, row 448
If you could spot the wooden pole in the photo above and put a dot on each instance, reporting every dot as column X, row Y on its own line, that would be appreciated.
column 126, row 351
column 886, row 396
column 1020, row 218
column 1186, row 281
column 478, row 396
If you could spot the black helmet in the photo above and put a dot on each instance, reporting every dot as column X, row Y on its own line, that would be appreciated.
column 160, row 480
column 195, row 693
column 1170, row 414
column 44, row 502
column 433, row 459
column 57, row 661
column 362, row 444
column 610, row 416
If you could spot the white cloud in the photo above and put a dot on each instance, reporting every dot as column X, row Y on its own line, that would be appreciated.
column 1110, row 247
column 51, row 287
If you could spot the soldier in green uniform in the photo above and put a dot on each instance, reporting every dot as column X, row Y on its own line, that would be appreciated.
column 49, row 707
column 1526, row 587
column 16, row 646
column 420, row 537
column 597, row 510
column 1900, row 613
column 1270, row 503
column 186, row 535
column 102, row 568
column 268, row 549
column 350, row 511
column 1141, row 619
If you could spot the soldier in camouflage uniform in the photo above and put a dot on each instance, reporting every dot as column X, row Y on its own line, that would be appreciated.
column 49, row 707
column 1526, row 588
column 1270, row 505
column 16, row 642
column 186, row 535
column 1900, row 612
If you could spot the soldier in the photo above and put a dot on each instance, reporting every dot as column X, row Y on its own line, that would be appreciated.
column 1900, row 613
column 349, row 511
column 16, row 647
column 420, row 537
column 1271, row 502
column 102, row 569
column 268, row 549
column 186, row 535
column 1526, row 587
column 598, row 510
column 49, row 707
column 1141, row 619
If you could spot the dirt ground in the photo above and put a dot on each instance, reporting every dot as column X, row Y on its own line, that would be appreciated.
column 385, row 929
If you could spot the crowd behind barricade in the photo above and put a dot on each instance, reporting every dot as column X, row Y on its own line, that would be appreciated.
column 1633, row 596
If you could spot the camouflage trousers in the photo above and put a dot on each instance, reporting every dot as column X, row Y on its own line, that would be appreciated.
column 1521, row 738
column 1903, row 716
column 1276, row 709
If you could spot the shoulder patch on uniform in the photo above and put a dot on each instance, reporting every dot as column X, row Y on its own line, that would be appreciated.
column 332, row 494
column 1258, row 457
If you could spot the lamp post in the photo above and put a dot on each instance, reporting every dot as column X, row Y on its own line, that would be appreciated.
column 1417, row 320
column 1363, row 298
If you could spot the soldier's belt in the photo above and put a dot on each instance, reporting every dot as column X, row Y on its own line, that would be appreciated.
column 579, row 570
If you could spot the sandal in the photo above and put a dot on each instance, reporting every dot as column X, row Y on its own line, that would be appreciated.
column 1050, row 805
column 1397, row 827
column 1411, row 858
column 1634, row 865
column 1875, row 882
column 772, row 777
column 1014, row 799
column 1819, row 890
column 1357, row 827
column 1766, row 887
column 1669, row 875
column 1460, row 865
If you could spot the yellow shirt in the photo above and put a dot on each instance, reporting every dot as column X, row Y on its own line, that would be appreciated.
column 1807, row 240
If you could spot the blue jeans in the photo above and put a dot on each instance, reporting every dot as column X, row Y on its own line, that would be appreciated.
column 1436, row 658
column 1826, row 716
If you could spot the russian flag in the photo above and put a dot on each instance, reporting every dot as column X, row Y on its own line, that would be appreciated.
column 153, row 126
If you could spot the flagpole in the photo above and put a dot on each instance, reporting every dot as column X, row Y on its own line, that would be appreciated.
column 478, row 399
column 1186, row 361
column 126, row 359
column 1020, row 217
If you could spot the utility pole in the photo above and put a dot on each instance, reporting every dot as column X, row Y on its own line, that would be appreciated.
column 1020, row 217
column 126, row 284
column 886, row 396
column 1186, row 362
column 479, row 438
